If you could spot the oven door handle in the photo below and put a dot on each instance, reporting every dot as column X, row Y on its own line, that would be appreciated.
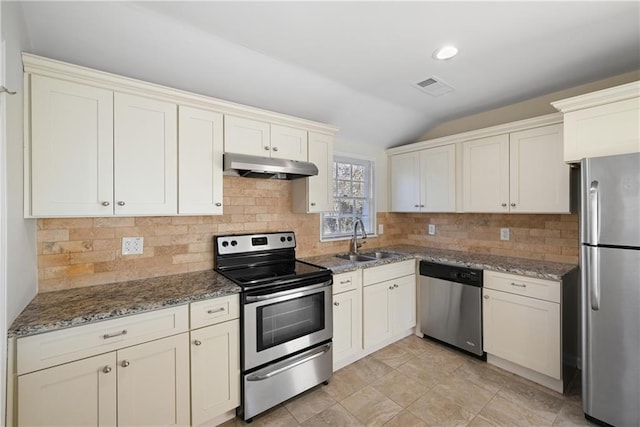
column 303, row 358
column 254, row 298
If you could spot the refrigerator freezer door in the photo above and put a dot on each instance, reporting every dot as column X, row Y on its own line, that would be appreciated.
column 611, row 200
column 611, row 335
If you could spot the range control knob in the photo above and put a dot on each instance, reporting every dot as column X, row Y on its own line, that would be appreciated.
column 289, row 239
column 234, row 243
column 225, row 244
column 282, row 239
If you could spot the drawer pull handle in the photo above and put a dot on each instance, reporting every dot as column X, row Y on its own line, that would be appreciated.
column 336, row 303
column 391, row 287
column 395, row 286
column 117, row 334
column 344, row 282
column 125, row 363
column 518, row 285
column 106, row 369
column 197, row 342
column 217, row 310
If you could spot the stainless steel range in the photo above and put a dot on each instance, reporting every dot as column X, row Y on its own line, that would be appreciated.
column 286, row 317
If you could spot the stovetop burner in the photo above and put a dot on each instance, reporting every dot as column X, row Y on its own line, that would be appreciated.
column 261, row 260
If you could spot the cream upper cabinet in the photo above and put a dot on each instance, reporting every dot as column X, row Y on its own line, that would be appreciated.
column 485, row 174
column 538, row 177
column 81, row 393
column 145, row 156
column 424, row 181
column 602, row 123
column 520, row 172
column 94, row 152
column 288, row 143
column 315, row 194
column 71, row 149
column 246, row 136
column 200, row 146
column 521, row 321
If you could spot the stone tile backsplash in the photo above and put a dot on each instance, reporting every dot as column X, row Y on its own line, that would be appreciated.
column 76, row 252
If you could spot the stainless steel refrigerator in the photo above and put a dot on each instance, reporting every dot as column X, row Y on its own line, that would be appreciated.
column 610, row 265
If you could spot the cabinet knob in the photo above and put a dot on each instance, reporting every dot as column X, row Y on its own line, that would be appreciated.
column 504, row 205
column 266, row 148
column 513, row 204
column 422, row 206
column 120, row 203
column 106, row 369
column 105, row 203
column 336, row 303
column 416, row 206
column 274, row 148
column 125, row 363
column 486, row 297
column 197, row 342
column 395, row 286
column 313, row 203
column 218, row 204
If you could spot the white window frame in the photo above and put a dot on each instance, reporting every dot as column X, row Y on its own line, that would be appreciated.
column 371, row 196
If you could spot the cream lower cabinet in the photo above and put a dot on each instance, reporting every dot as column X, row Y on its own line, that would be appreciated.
column 215, row 359
column 146, row 384
column 388, row 302
column 347, row 318
column 522, row 322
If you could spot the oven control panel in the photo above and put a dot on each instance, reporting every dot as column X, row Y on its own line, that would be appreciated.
column 241, row 243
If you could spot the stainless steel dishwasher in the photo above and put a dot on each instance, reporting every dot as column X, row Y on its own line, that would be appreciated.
column 451, row 305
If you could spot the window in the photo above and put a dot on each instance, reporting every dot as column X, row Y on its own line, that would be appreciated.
column 353, row 198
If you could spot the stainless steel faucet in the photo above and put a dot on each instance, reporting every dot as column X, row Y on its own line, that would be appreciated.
column 354, row 241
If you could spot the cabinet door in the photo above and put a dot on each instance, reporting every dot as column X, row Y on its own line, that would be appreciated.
column 245, row 136
column 200, row 148
column 403, row 303
column 320, row 188
column 539, row 177
column 81, row 393
column 215, row 371
column 71, row 149
column 347, row 325
column 405, row 182
column 288, row 143
column 376, row 309
column 146, row 151
column 523, row 330
column 485, row 174
column 153, row 383
column 438, row 179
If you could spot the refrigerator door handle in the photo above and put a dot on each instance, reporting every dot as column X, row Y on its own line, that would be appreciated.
column 594, row 278
column 594, row 210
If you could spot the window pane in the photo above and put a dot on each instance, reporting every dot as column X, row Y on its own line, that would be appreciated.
column 344, row 189
column 357, row 189
column 358, row 173
column 344, row 171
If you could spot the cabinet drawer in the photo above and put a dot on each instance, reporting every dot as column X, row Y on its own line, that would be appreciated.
column 54, row 348
column 547, row 290
column 347, row 281
column 212, row 311
column 388, row 272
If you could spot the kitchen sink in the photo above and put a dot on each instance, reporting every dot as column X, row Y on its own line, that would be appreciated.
column 356, row 257
column 368, row 256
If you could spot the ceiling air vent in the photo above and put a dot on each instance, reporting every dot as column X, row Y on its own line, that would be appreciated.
column 434, row 86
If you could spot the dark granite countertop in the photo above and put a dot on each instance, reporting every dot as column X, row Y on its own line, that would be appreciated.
column 73, row 307
column 522, row 266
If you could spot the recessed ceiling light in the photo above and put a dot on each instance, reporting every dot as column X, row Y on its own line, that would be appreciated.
column 445, row 52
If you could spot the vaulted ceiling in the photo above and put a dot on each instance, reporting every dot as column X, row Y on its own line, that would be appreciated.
column 350, row 64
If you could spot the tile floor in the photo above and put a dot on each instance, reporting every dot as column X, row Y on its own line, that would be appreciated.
column 417, row 382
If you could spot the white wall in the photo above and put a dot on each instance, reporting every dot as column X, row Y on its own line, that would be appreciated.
column 19, row 236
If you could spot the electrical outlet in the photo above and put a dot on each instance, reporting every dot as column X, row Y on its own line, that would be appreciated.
column 380, row 228
column 504, row 234
column 432, row 229
column 132, row 245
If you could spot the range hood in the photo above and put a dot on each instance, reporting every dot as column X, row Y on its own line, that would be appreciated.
column 266, row 167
